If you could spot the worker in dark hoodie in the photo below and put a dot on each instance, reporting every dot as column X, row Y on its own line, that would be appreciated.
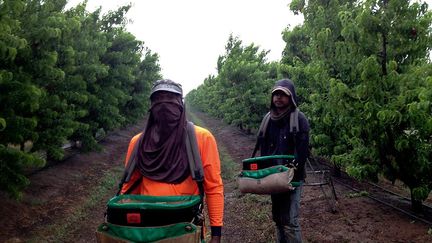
column 279, row 140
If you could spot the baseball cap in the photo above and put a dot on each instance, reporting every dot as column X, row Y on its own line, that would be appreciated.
column 283, row 89
column 166, row 85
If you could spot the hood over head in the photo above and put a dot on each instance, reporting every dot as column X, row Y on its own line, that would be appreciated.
column 287, row 86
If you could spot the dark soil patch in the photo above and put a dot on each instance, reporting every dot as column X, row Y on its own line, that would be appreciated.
column 57, row 192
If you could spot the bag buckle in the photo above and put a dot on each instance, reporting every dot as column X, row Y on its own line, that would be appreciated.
column 293, row 164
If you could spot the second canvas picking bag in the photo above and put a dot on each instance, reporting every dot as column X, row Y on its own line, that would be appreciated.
column 267, row 175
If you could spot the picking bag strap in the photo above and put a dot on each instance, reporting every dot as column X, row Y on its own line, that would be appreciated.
column 294, row 121
column 134, row 185
column 261, row 132
column 130, row 167
column 294, row 128
column 194, row 158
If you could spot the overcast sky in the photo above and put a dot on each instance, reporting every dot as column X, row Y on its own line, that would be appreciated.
column 189, row 35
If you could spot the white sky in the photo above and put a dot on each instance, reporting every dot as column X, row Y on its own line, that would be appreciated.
column 189, row 35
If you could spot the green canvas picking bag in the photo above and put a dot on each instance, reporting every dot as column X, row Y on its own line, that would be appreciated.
column 139, row 218
column 109, row 233
column 264, row 175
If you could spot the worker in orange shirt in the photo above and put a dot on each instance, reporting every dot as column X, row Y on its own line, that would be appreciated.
column 162, row 161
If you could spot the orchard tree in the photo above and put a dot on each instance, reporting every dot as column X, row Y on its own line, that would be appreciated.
column 89, row 45
column 147, row 72
column 19, row 100
column 318, row 59
column 398, row 76
column 58, row 69
column 43, row 24
column 239, row 93
column 364, row 62
column 243, row 72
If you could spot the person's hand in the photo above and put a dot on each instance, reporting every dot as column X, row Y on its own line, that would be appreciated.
column 215, row 239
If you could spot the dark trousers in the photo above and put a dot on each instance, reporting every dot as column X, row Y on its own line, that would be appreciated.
column 285, row 211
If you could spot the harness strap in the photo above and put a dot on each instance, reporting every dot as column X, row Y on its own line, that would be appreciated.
column 294, row 128
column 194, row 158
column 294, row 121
column 130, row 167
column 261, row 132
column 294, row 124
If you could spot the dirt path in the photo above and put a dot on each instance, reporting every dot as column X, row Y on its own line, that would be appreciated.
column 66, row 202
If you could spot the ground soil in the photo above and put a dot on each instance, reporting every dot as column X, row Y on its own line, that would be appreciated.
column 58, row 193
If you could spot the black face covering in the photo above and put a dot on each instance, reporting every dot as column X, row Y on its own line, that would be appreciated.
column 166, row 117
column 162, row 153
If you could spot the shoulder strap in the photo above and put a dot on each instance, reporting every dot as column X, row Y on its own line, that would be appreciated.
column 130, row 167
column 294, row 121
column 194, row 158
column 294, row 127
column 264, row 124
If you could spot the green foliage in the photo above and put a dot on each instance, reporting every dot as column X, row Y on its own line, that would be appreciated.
column 367, row 73
column 358, row 194
column 421, row 193
column 2, row 124
column 65, row 76
column 239, row 93
column 297, row 6
column 12, row 163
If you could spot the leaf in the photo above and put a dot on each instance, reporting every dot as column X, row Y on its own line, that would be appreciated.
column 2, row 124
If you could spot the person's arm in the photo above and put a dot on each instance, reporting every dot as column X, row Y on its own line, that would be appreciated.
column 213, row 185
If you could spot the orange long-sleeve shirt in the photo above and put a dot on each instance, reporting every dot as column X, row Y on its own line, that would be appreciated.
column 213, row 185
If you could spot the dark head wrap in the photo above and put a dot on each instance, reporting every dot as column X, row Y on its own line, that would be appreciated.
column 162, row 153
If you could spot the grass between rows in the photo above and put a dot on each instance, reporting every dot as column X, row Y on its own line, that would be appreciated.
column 62, row 231
column 228, row 165
column 255, row 207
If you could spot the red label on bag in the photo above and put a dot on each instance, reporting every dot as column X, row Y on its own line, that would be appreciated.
column 254, row 166
column 133, row 218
